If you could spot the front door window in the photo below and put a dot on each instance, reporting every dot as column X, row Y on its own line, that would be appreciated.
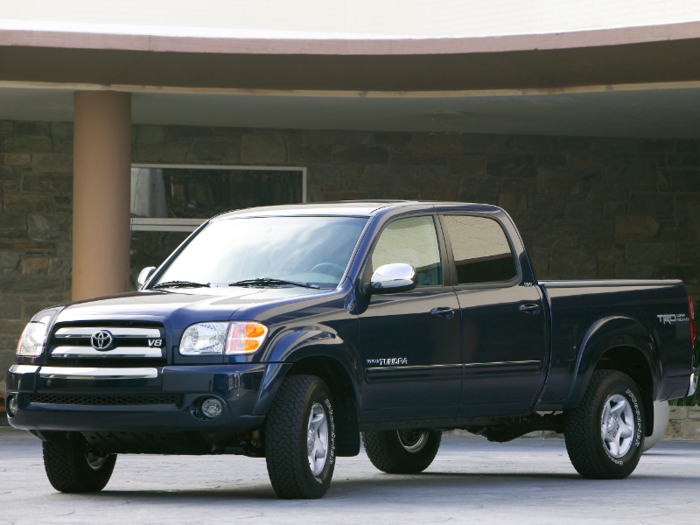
column 412, row 241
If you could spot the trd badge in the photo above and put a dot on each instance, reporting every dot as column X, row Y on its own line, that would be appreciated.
column 673, row 318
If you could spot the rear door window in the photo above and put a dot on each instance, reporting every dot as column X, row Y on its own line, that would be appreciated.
column 481, row 250
column 412, row 241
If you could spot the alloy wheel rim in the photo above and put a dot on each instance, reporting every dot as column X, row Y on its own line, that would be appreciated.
column 412, row 441
column 617, row 426
column 94, row 461
column 317, row 439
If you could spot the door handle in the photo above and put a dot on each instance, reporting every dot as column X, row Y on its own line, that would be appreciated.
column 530, row 308
column 443, row 311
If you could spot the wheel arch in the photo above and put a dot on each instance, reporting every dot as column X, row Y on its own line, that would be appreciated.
column 631, row 361
column 330, row 359
column 623, row 344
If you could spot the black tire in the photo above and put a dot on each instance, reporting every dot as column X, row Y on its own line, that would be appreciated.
column 589, row 454
column 73, row 467
column 286, row 428
column 388, row 450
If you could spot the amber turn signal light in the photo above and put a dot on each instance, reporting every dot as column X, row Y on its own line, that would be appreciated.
column 250, row 344
column 245, row 337
column 254, row 330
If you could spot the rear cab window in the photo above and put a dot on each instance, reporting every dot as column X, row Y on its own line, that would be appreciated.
column 482, row 253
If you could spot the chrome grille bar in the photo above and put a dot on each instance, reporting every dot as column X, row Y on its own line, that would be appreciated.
column 85, row 332
column 87, row 351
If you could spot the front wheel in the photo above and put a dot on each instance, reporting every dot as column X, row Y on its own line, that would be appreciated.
column 605, row 433
column 300, row 438
column 72, row 466
column 402, row 451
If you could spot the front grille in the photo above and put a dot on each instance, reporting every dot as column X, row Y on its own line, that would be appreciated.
column 133, row 343
column 115, row 399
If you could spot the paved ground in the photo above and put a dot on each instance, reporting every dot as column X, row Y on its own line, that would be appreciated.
column 471, row 481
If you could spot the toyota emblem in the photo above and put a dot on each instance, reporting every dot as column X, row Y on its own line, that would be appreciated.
column 102, row 340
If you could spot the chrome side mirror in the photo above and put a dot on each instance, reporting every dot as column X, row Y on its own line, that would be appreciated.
column 145, row 275
column 392, row 278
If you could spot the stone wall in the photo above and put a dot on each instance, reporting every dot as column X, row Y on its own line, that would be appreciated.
column 35, row 224
column 586, row 207
column 684, row 423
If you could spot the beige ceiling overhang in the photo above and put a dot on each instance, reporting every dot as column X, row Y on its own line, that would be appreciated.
column 631, row 82
column 601, row 59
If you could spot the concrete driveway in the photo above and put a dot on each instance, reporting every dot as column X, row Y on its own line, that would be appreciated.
column 471, row 481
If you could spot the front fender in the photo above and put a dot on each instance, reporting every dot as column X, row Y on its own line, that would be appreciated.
column 606, row 334
column 299, row 344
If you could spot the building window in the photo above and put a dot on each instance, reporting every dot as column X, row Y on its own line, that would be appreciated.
column 168, row 202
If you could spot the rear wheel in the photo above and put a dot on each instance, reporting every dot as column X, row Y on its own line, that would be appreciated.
column 402, row 451
column 72, row 466
column 605, row 433
column 300, row 438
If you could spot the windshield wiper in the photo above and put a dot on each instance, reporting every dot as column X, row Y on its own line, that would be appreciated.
column 269, row 281
column 181, row 284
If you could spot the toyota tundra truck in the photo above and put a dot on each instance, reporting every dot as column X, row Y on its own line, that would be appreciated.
column 293, row 333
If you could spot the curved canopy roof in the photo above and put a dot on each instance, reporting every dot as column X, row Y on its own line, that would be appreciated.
column 652, row 54
column 636, row 81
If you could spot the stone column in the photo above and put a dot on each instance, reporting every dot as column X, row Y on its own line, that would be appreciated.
column 101, row 192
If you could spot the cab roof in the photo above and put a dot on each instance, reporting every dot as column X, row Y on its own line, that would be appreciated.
column 358, row 208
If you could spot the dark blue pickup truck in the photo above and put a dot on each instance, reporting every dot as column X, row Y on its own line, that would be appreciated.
column 292, row 332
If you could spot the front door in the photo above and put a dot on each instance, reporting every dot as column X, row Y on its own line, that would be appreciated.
column 410, row 342
column 503, row 321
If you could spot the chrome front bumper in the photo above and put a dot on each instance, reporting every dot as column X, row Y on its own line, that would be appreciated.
column 60, row 372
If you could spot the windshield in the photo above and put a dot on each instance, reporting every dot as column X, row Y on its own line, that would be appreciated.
column 312, row 250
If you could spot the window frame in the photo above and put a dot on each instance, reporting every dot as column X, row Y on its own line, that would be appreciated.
column 453, row 265
column 168, row 224
column 442, row 250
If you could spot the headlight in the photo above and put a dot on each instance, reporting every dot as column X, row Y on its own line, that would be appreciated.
column 204, row 339
column 33, row 338
column 218, row 338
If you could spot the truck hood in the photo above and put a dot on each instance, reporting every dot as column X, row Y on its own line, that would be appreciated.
column 185, row 306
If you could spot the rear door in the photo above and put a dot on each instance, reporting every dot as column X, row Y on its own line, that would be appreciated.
column 503, row 321
column 410, row 342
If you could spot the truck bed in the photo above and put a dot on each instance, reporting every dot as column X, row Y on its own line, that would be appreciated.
column 586, row 318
